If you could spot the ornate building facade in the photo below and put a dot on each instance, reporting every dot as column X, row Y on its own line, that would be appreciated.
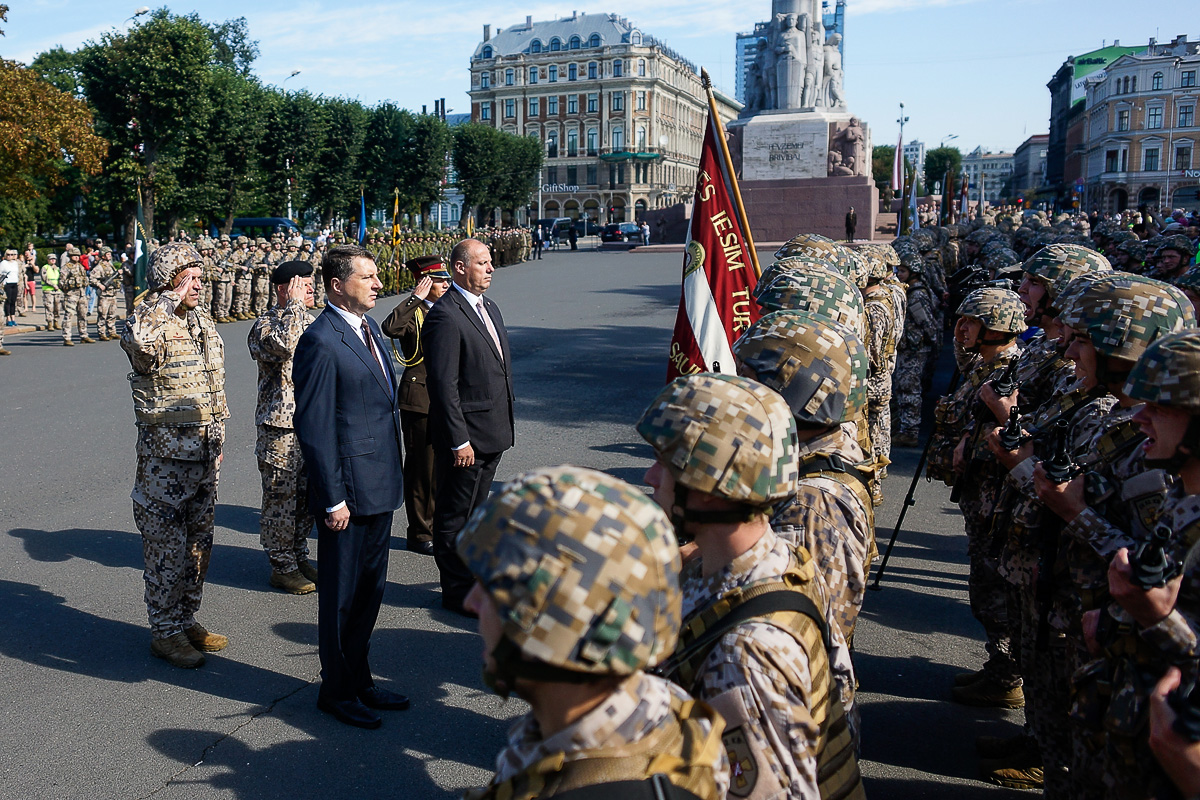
column 620, row 115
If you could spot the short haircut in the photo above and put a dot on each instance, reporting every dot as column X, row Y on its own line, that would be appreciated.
column 462, row 251
column 338, row 262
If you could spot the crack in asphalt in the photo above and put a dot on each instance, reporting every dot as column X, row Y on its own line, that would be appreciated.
column 209, row 748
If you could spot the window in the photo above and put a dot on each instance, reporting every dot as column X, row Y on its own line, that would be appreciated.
column 573, row 176
column 572, row 143
column 593, row 141
column 534, row 111
column 1133, row 84
column 572, row 104
column 554, row 73
column 593, row 102
column 591, row 174
column 485, row 79
column 533, row 74
column 641, row 101
column 552, row 106
column 535, row 46
column 572, row 72
column 641, row 67
column 618, row 68
column 1126, row 84
column 1183, row 156
column 1123, row 120
column 1187, row 116
column 641, row 139
column 510, row 108
column 591, row 70
column 594, row 40
column 509, row 77
column 618, row 139
column 1110, row 161
column 635, row 37
column 618, row 101
column 486, row 52
column 1187, row 78
column 551, row 174
column 1154, row 118
column 485, row 110
column 575, row 42
column 552, row 144
column 612, row 174
column 555, row 44
column 1150, row 159
column 1156, row 81
column 1124, row 160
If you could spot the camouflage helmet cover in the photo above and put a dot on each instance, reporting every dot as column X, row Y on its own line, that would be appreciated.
column 998, row 309
column 815, row 289
column 808, row 244
column 168, row 261
column 724, row 435
column 1056, row 265
column 1135, row 248
column 1190, row 279
column 1168, row 373
column 788, row 265
column 1179, row 243
column 880, row 259
column 583, row 569
column 819, row 366
column 1123, row 313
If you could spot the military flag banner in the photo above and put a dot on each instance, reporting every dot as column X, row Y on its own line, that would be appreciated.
column 719, row 265
column 396, row 222
column 141, row 249
column 362, row 216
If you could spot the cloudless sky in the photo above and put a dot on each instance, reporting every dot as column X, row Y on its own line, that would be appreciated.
column 976, row 69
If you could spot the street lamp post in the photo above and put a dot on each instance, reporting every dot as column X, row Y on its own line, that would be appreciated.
column 903, row 226
column 139, row 12
column 287, row 163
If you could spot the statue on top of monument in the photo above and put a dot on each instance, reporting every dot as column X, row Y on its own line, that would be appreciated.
column 791, row 49
column 832, row 83
column 795, row 66
column 814, row 70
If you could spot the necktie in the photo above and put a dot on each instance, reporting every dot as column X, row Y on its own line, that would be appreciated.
column 487, row 321
column 370, row 340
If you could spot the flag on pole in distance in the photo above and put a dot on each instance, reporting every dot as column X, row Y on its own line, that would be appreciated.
column 718, row 275
column 912, row 200
column 965, row 200
column 898, row 166
column 396, row 221
column 141, row 249
column 362, row 216
column 470, row 226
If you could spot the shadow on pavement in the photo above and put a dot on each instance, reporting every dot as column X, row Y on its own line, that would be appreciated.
column 242, row 519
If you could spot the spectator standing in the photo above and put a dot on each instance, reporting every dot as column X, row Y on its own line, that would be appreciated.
column 10, row 272
column 645, row 228
column 573, row 237
column 30, row 283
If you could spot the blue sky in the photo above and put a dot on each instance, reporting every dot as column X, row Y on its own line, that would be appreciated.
column 971, row 68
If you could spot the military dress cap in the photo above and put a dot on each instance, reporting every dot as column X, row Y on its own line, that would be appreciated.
column 290, row 269
column 583, row 569
column 433, row 267
column 1123, row 313
column 817, row 365
column 1168, row 373
column 168, row 261
column 726, row 436
column 998, row 309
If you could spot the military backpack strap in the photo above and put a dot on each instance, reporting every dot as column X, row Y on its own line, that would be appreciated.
column 836, row 468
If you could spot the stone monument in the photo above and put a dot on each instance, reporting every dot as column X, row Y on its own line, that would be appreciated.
column 802, row 158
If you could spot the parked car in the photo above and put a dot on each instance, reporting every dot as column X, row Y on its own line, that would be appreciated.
column 621, row 232
column 585, row 227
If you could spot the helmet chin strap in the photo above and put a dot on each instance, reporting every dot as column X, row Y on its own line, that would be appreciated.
column 681, row 514
column 511, row 664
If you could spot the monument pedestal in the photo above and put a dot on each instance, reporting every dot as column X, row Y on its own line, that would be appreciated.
column 801, row 170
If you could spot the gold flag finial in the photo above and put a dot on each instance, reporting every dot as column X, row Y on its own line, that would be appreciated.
column 705, row 81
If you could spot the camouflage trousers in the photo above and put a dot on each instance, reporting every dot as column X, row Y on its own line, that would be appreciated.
column 319, row 288
column 173, row 506
column 206, row 294
column 262, row 293
column 879, row 415
column 52, row 304
column 222, row 299
column 988, row 592
column 907, row 388
column 74, row 310
column 241, row 295
column 106, row 315
column 285, row 523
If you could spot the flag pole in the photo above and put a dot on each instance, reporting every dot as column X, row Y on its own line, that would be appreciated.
column 737, row 193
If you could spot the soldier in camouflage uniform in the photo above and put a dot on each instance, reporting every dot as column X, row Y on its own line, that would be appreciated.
column 819, row 367
column 285, row 522
column 885, row 333
column 261, row 277
column 989, row 321
column 178, row 382
column 73, row 280
column 242, row 259
column 314, row 254
column 914, row 351
column 608, row 547
column 103, row 278
column 208, row 273
column 1173, row 257
column 223, row 271
column 726, row 454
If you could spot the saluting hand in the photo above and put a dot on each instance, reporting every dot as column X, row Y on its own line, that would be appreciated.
column 423, row 287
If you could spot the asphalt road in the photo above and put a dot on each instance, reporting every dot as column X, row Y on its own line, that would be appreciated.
column 86, row 712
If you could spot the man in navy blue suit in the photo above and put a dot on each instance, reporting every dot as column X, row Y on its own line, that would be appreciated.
column 348, row 424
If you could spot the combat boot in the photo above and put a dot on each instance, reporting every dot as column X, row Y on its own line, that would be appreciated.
column 87, row 340
column 201, row 639
column 1018, row 778
column 68, row 343
column 293, row 582
column 5, row 351
column 308, row 570
column 177, row 651
column 965, row 678
column 988, row 693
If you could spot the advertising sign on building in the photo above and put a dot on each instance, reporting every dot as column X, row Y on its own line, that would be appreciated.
column 1093, row 63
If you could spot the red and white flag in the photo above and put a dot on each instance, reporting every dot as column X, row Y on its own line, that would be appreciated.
column 718, row 274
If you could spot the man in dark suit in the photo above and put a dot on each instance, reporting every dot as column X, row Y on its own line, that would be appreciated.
column 405, row 323
column 468, row 368
column 348, row 425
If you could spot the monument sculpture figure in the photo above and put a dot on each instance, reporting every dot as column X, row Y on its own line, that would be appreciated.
column 795, row 66
column 789, row 69
column 832, row 80
column 849, row 142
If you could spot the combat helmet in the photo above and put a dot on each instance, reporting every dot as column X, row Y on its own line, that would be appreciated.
column 880, row 258
column 1168, row 373
column 1123, row 313
column 1000, row 310
column 1135, row 248
column 817, row 365
column 1056, row 265
column 809, row 244
column 727, row 436
column 816, row 289
column 168, row 261
column 1189, row 281
column 1180, row 244
column 788, row 265
column 584, row 571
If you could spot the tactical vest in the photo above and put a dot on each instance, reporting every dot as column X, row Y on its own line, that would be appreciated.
column 71, row 278
column 189, row 390
column 790, row 603
column 835, row 468
column 673, row 762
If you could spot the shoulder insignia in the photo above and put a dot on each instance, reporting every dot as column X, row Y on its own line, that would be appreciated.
column 743, row 772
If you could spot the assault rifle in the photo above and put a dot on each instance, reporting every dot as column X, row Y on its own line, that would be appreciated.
column 1059, row 468
column 1150, row 564
column 1004, row 385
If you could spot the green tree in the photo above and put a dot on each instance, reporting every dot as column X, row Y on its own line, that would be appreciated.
column 939, row 162
column 424, row 174
column 882, row 159
column 296, row 128
column 479, row 163
column 523, row 158
column 336, row 178
column 383, row 155
column 60, row 67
